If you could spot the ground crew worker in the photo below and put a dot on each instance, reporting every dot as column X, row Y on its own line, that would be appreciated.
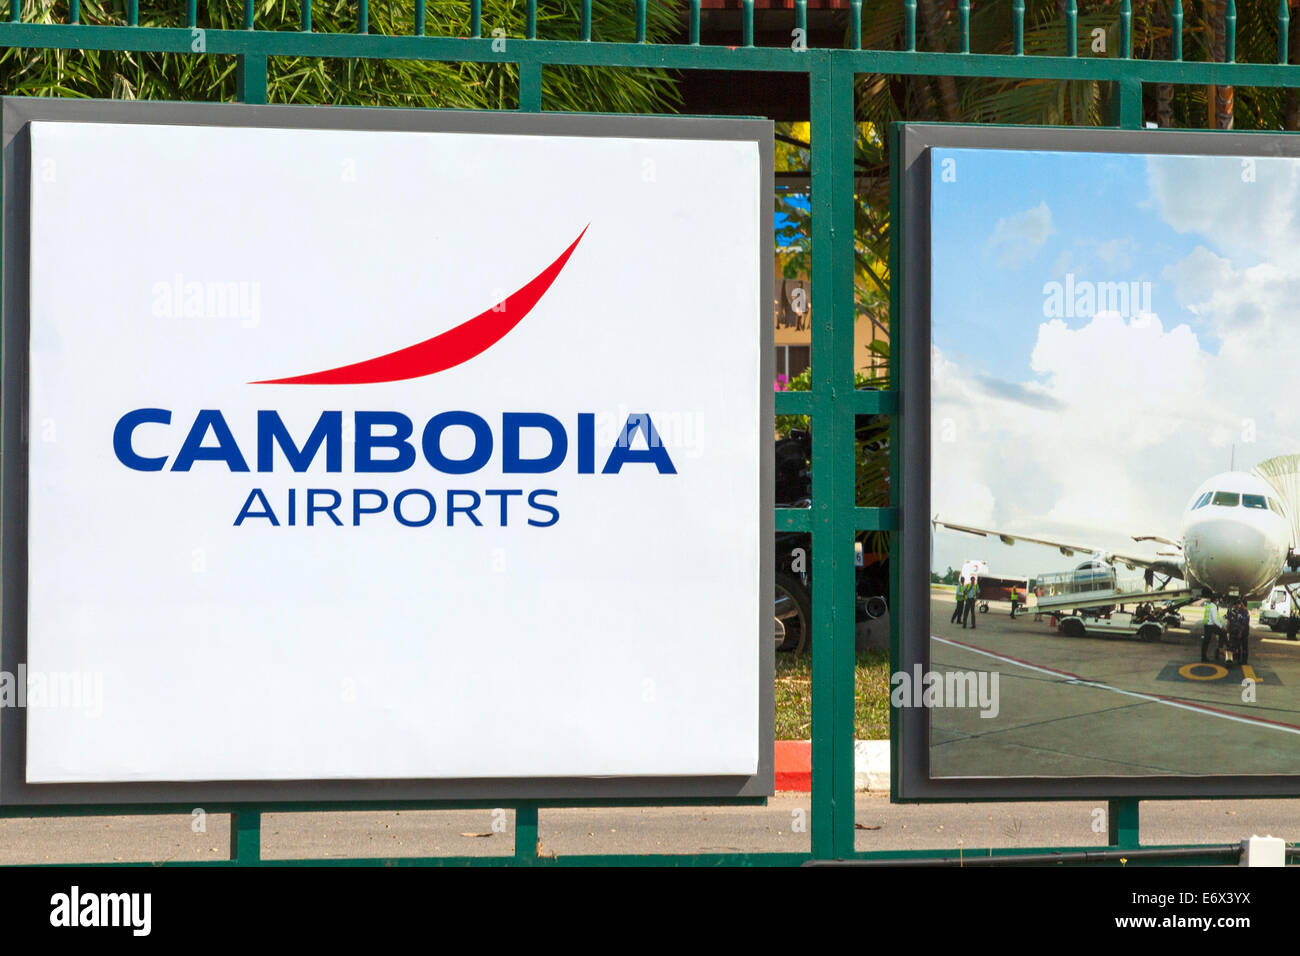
column 972, row 594
column 961, row 602
column 1292, row 627
column 1015, row 599
column 1239, row 630
column 1212, row 626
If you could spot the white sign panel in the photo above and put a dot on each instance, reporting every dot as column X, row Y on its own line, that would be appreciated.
column 363, row 455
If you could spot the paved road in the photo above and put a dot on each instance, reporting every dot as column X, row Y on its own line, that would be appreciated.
column 1140, row 708
column 658, row 830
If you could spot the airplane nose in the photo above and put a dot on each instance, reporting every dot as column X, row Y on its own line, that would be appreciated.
column 1228, row 555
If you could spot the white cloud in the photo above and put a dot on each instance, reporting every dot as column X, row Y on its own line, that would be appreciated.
column 1017, row 239
column 1117, row 253
column 1124, row 407
column 1248, row 210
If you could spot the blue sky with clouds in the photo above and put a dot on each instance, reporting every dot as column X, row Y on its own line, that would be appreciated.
column 1093, row 428
column 992, row 255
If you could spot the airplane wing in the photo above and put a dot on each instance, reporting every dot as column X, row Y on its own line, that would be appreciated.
column 1156, row 537
column 1162, row 565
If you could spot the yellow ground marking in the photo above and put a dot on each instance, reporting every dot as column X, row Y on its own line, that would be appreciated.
column 1220, row 671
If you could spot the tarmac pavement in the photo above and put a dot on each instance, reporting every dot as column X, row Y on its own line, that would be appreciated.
column 569, row 832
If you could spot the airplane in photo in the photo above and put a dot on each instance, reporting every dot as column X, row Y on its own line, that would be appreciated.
column 1235, row 541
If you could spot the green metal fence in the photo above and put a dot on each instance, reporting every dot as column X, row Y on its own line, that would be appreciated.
column 833, row 402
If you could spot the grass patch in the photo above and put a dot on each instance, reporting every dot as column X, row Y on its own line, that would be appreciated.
column 870, row 696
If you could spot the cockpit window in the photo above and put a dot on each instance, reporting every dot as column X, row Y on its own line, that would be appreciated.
column 1254, row 501
column 1202, row 501
column 1226, row 499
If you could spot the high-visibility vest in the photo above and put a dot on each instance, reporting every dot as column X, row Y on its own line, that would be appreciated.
column 1205, row 612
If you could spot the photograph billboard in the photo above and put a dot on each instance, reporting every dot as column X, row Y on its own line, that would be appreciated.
column 1102, row 511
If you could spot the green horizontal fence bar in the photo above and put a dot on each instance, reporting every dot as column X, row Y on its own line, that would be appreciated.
column 644, row 55
column 833, row 404
column 875, row 519
column 793, row 519
column 794, row 403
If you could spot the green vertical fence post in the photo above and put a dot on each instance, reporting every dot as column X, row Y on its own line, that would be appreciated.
column 1230, row 32
column 530, row 86
column 1128, row 104
column 250, row 78
column 526, row 833
column 1122, row 824
column 1176, row 28
column 1072, row 28
column 1283, row 29
column 855, row 23
column 1018, row 25
column 833, row 138
column 246, row 837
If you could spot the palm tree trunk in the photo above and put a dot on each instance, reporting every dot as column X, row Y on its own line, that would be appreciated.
column 931, row 23
column 1165, row 91
column 1221, row 102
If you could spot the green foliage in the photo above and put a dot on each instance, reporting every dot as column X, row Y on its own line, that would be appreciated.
column 402, row 83
column 870, row 696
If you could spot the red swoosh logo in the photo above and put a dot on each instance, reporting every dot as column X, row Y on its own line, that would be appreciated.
column 446, row 350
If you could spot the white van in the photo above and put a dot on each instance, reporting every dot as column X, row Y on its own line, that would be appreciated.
column 1275, row 609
